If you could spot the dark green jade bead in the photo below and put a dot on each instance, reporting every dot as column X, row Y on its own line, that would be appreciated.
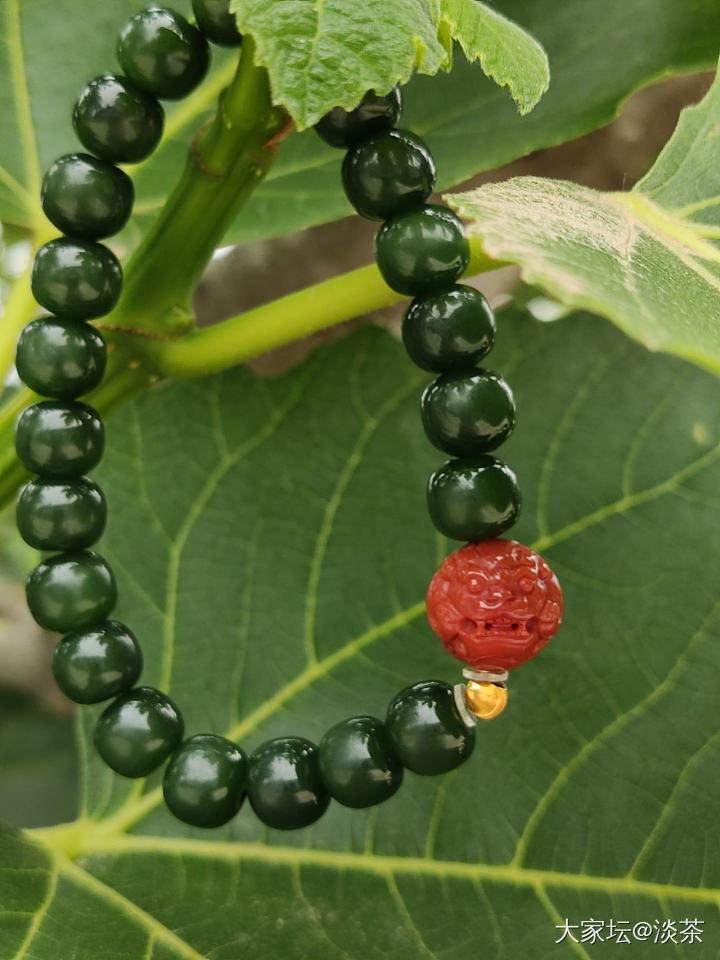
column 86, row 197
column 284, row 785
column 475, row 498
column 205, row 780
column 71, row 591
column 357, row 763
column 95, row 664
column 468, row 412
column 426, row 730
column 162, row 53
column 217, row 22
column 138, row 731
column 373, row 115
column 451, row 330
column 79, row 278
column 59, row 439
column 117, row 121
column 423, row 251
column 60, row 358
column 388, row 175
column 61, row 514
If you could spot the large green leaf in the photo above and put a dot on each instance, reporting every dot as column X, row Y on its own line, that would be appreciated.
column 273, row 550
column 330, row 53
column 469, row 123
column 647, row 259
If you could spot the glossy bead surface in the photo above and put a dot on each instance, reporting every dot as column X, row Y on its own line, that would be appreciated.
column 162, row 53
column 71, row 591
column 61, row 514
column 60, row 358
column 86, row 197
column 95, row 664
column 284, row 785
column 426, row 730
column 217, row 22
column 423, row 251
column 59, row 439
column 388, row 175
column 138, row 731
column 473, row 498
column 117, row 121
column 451, row 330
column 77, row 278
column 372, row 116
column 468, row 412
column 205, row 780
column 357, row 764
column 494, row 604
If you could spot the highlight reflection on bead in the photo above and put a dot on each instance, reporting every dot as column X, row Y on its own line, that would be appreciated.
column 485, row 700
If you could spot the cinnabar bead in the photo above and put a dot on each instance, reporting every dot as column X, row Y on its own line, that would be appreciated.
column 284, row 785
column 474, row 498
column 205, row 780
column 388, row 175
column 59, row 439
column 423, row 251
column 494, row 604
column 97, row 663
column 357, row 762
column 86, row 197
column 426, row 731
column 373, row 115
column 76, row 278
column 138, row 731
column 61, row 514
column 71, row 591
column 162, row 53
column 217, row 22
column 117, row 121
column 60, row 358
column 450, row 330
column 468, row 412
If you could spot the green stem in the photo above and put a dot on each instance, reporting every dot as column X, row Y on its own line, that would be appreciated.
column 289, row 318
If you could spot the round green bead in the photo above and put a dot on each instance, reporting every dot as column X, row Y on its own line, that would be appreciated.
column 426, row 730
column 451, row 330
column 138, row 731
column 388, row 175
column 60, row 358
column 117, row 121
column 357, row 764
column 473, row 499
column 423, row 251
column 470, row 412
column 373, row 115
column 71, row 591
column 217, row 22
column 284, row 785
column 162, row 53
column 79, row 278
column 205, row 780
column 61, row 514
column 95, row 664
column 86, row 197
column 59, row 439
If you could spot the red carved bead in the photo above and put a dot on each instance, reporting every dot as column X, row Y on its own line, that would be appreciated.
column 494, row 604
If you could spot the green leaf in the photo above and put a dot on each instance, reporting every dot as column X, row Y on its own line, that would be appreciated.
column 646, row 259
column 506, row 53
column 273, row 550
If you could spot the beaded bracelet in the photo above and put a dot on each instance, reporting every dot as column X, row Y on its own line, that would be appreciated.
column 494, row 603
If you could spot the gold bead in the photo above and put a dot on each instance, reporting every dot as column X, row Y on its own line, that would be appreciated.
column 485, row 699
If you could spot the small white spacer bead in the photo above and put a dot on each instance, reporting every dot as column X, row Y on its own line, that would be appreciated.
column 485, row 676
column 468, row 718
